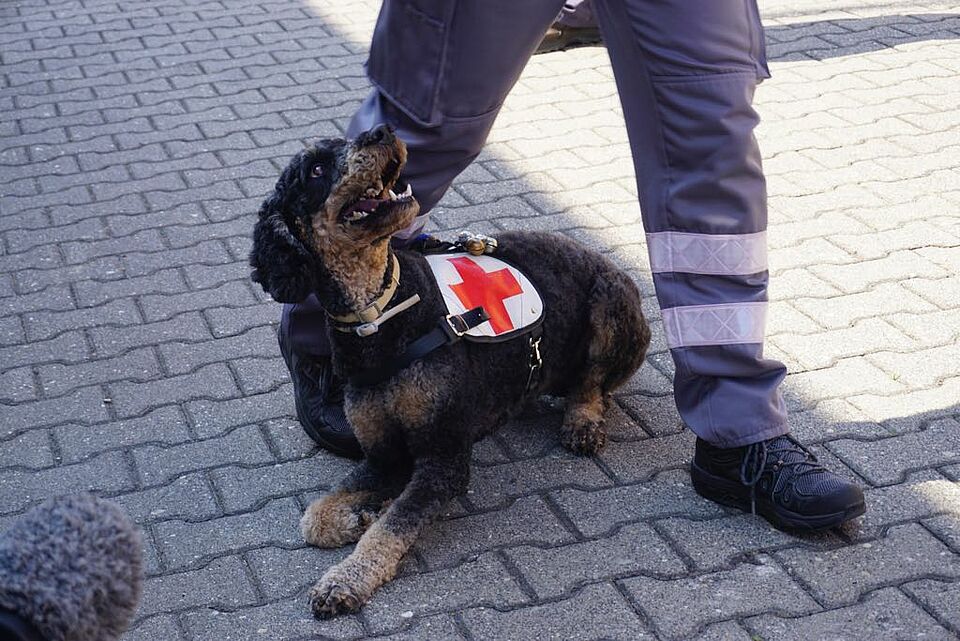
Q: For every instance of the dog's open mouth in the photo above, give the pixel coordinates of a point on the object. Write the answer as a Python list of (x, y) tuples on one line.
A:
[(377, 200)]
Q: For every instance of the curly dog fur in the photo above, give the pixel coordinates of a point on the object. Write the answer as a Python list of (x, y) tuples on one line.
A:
[(417, 428), (72, 568)]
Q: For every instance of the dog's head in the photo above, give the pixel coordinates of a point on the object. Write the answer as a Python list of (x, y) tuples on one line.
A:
[(326, 226)]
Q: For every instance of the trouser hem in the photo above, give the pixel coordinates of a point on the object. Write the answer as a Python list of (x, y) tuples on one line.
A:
[(748, 439)]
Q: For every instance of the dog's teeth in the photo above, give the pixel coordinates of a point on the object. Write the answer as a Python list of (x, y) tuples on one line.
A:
[(408, 191), (372, 192), (356, 215), (393, 196)]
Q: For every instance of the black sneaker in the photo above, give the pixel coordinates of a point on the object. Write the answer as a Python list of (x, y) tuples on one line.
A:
[(780, 480), (560, 37), (319, 398)]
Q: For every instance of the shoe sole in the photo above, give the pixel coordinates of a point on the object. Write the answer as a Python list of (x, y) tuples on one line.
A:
[(733, 494)]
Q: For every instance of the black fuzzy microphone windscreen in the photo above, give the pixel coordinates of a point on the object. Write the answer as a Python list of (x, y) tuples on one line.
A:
[(72, 568)]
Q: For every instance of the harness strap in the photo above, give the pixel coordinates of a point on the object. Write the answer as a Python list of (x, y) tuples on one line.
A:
[(449, 330)]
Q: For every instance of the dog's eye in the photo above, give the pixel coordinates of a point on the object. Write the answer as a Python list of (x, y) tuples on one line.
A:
[(317, 171)]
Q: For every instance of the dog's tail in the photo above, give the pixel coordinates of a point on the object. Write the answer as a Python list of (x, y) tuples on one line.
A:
[(70, 570)]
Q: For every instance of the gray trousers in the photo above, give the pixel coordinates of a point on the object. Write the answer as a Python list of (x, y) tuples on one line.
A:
[(686, 71)]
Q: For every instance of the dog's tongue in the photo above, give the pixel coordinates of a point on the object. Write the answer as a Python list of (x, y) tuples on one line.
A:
[(365, 204)]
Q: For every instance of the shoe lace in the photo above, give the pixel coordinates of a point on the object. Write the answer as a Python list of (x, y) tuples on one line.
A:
[(322, 375), (788, 453)]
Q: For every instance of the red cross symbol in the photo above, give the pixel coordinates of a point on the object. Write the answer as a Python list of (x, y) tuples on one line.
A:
[(488, 290)]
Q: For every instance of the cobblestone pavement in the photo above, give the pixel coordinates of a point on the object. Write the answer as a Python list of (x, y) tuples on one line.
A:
[(137, 361)]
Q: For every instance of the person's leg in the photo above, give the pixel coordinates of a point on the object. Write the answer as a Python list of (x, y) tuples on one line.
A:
[(441, 70), (686, 71)]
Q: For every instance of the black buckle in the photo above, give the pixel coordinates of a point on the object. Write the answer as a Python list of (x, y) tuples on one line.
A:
[(457, 325)]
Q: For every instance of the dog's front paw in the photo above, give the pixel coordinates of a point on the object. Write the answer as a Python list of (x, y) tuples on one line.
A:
[(333, 595), (336, 520), (585, 438)]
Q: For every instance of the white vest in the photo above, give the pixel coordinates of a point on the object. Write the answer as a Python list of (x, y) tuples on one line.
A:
[(509, 298)]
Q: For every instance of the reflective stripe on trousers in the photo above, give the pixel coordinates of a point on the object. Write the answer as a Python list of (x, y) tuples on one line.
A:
[(686, 71)]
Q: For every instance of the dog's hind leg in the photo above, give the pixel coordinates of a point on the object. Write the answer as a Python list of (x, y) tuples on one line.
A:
[(619, 337), (342, 516), (349, 584)]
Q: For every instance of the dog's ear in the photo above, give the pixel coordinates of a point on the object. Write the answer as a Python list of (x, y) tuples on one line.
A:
[(282, 265)]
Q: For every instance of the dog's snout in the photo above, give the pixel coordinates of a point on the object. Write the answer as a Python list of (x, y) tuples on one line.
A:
[(379, 135)]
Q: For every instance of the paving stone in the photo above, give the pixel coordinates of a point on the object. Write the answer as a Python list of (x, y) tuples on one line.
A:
[(634, 549), (435, 628), (884, 615), (91, 293), (137, 365), (78, 252), (85, 230), (11, 332), (241, 488), (669, 493), (642, 460), (158, 627), (884, 298), (85, 405), (717, 544), (656, 414), (725, 631), (259, 375), (277, 523), (181, 358), (221, 584), (920, 368), (110, 341), (286, 619), (823, 349), (107, 473), (212, 381), (161, 464), (216, 417), (885, 461), (16, 385), (484, 581), (288, 438), (164, 425), (922, 494), (596, 612), (161, 307), (283, 573), (188, 498), (947, 528), (446, 543), (138, 262), (31, 449), (942, 598), (842, 576), (681, 606), (42, 325), (33, 280), (494, 485), (51, 298)]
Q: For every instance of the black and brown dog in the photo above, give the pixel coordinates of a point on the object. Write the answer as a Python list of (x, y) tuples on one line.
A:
[(326, 230)]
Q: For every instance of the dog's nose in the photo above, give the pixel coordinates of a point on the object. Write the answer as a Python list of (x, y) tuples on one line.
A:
[(379, 135)]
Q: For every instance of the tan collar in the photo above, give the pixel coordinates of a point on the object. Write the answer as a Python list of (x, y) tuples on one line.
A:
[(367, 320)]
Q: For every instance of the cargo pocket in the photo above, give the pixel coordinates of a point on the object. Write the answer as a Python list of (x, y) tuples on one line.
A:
[(758, 41), (407, 55)]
